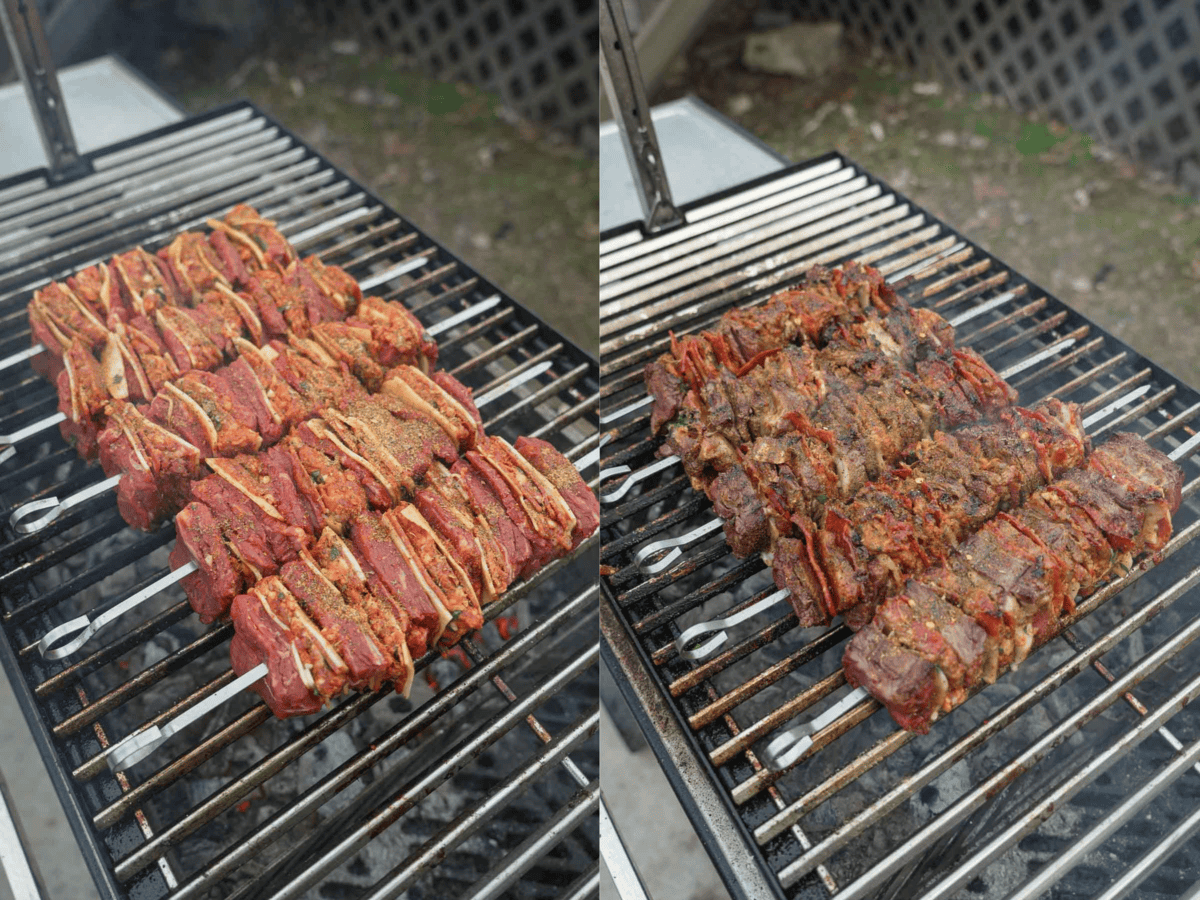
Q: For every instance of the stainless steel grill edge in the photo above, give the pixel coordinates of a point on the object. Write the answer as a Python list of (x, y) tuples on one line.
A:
[(511, 764), (827, 825)]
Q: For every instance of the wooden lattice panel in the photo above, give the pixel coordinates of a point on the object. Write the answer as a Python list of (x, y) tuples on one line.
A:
[(541, 56), (1129, 73)]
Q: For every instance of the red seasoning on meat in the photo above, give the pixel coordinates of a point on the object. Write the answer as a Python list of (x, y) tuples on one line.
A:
[(1003, 592)]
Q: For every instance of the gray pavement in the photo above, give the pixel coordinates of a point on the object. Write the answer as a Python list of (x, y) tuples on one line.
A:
[(660, 839), (50, 841)]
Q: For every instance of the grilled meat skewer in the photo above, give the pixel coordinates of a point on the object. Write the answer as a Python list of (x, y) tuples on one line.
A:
[(874, 388), (794, 315), (856, 553), (1002, 592)]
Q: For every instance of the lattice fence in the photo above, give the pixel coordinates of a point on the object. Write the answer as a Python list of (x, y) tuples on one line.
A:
[(540, 56), (1128, 72)]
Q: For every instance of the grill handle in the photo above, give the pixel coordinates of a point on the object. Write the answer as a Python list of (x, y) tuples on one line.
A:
[(35, 66), (627, 98)]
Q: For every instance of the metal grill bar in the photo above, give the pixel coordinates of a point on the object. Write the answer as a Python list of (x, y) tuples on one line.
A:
[(414, 791), (521, 860), (145, 194), (470, 821), (435, 708), (956, 813), (712, 698)]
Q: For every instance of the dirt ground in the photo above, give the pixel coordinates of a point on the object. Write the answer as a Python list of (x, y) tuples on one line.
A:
[(518, 203), (1116, 241)]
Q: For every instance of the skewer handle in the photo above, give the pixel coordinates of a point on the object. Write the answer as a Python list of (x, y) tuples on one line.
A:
[(89, 628), (719, 625), (673, 544), (138, 746), (784, 750), (55, 506), (624, 487)]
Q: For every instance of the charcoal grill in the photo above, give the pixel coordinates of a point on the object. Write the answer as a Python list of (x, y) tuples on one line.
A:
[(1074, 774), (486, 788)]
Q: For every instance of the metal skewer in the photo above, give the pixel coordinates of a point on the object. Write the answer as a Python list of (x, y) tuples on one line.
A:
[(19, 519), (138, 746), (720, 626), (87, 627), (623, 488), (709, 647), (982, 308), (605, 418), (593, 456), (82, 623), (790, 746), (512, 383), (913, 272), (28, 353), (28, 431)]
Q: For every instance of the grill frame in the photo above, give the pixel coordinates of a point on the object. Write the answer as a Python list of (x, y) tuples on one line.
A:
[(575, 373), (704, 791)]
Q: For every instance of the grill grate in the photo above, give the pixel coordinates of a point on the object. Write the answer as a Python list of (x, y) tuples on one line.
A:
[(1016, 783), (469, 790)]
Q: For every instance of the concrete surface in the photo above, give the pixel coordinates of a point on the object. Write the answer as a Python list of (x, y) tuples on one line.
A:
[(51, 843), (659, 837)]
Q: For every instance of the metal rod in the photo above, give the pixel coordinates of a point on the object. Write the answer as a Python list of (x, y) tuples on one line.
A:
[(1126, 885), (434, 850), (35, 67), (1098, 763), (714, 214), (137, 747), (415, 790), (1080, 846), (537, 844), (622, 81)]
